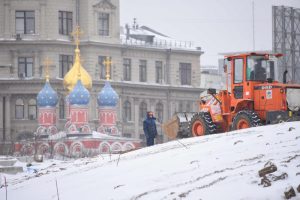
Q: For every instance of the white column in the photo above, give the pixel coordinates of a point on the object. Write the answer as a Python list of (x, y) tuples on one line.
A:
[(7, 33), (42, 28), (36, 69), (1, 118)]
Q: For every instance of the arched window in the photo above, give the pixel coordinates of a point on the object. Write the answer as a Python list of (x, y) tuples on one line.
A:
[(127, 111), (32, 109), (19, 111), (188, 107), (143, 110), (159, 112), (62, 113), (180, 107)]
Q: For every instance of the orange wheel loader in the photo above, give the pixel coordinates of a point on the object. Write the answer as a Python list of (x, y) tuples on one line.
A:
[(254, 96)]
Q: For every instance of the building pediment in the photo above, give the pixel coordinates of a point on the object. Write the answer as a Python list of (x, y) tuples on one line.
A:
[(105, 4)]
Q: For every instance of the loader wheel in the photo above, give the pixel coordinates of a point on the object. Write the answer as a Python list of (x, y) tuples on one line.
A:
[(201, 124), (245, 119)]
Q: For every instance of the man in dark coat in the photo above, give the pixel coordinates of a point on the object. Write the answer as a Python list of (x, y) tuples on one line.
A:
[(259, 73), (149, 127)]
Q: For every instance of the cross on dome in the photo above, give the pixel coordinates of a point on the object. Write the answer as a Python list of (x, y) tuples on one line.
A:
[(76, 34), (107, 62), (47, 62)]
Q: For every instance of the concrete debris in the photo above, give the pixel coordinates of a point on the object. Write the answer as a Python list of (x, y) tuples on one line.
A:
[(280, 177), (269, 168), (289, 192), (265, 182)]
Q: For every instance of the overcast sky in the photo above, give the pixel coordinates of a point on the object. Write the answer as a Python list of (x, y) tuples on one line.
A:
[(217, 26)]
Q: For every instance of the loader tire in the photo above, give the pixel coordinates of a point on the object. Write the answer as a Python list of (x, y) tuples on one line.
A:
[(245, 119), (202, 124)]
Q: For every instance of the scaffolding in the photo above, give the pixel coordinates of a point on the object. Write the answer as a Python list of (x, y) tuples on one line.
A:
[(286, 40)]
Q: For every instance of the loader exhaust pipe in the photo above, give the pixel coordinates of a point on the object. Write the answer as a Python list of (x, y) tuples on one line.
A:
[(284, 76)]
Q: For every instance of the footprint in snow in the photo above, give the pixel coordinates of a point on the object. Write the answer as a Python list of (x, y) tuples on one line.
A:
[(236, 142)]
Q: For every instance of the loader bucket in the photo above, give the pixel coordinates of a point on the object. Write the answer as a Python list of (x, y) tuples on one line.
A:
[(171, 127), (178, 126)]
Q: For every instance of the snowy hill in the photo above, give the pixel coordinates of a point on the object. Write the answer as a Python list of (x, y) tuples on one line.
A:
[(222, 166)]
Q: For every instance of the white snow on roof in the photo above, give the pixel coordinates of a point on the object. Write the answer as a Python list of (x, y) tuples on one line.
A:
[(159, 40)]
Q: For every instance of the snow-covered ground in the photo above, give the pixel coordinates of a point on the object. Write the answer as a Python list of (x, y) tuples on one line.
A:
[(221, 166)]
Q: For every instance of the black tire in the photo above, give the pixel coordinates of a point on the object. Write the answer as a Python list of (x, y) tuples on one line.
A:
[(248, 117), (204, 120)]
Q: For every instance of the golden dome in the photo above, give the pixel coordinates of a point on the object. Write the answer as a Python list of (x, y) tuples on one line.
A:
[(77, 71)]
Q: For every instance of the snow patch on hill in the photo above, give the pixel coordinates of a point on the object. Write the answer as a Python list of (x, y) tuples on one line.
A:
[(221, 166)]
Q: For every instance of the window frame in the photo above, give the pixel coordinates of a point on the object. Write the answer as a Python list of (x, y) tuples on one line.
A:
[(159, 111), (25, 18), (103, 23), (65, 62), (65, 22), (143, 110), (143, 70), (19, 105), (159, 72), (185, 73), (26, 64), (34, 107), (127, 111), (126, 69), (235, 71)]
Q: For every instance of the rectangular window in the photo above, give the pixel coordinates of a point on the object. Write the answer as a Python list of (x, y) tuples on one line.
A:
[(127, 69), (185, 73), (25, 67), (101, 60), (65, 62), (238, 70), (103, 24), (25, 22), (65, 20), (159, 71), (143, 71)]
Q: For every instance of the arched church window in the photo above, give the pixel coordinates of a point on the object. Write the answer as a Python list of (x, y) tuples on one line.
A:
[(19, 109), (159, 112), (143, 110), (32, 109), (127, 111)]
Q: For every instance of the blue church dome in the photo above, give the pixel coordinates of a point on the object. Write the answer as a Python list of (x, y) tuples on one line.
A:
[(47, 96), (80, 95), (107, 96)]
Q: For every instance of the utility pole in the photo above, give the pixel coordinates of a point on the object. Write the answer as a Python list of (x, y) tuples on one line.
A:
[(253, 27)]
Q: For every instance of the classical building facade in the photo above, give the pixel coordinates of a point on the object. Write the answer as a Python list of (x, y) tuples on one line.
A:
[(148, 73)]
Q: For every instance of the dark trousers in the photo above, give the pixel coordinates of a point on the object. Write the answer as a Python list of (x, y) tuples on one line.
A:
[(150, 141)]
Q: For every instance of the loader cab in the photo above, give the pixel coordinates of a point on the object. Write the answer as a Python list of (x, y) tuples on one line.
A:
[(261, 68), (245, 71)]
